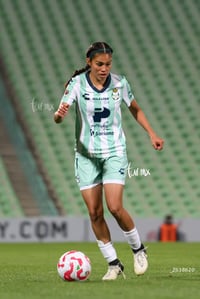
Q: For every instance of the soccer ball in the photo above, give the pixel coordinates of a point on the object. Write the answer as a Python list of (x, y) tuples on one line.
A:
[(74, 266)]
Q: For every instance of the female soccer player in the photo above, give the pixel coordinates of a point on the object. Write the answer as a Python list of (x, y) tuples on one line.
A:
[(100, 155)]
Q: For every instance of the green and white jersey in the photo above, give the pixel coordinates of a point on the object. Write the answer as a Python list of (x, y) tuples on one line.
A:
[(99, 130)]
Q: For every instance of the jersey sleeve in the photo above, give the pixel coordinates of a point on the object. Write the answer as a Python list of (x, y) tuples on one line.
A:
[(70, 94), (127, 93)]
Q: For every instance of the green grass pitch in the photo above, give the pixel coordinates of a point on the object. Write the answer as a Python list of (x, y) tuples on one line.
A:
[(29, 271)]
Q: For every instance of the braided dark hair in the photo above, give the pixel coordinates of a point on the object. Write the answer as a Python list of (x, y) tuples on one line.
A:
[(97, 47), (77, 72)]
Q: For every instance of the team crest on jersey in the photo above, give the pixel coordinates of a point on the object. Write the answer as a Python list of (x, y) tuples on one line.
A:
[(115, 94)]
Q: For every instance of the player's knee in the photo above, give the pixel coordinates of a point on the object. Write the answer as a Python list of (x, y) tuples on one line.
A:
[(95, 216), (115, 211)]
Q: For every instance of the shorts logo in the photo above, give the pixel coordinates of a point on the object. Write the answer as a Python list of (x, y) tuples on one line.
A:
[(130, 95), (77, 179), (121, 171), (115, 94)]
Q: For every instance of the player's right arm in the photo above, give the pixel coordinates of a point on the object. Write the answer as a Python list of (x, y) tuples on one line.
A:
[(69, 97), (61, 112)]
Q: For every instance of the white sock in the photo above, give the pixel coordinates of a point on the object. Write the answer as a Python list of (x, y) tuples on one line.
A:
[(133, 238), (108, 251)]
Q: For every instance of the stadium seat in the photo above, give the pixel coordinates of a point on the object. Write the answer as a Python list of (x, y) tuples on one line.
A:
[(9, 203), (156, 45)]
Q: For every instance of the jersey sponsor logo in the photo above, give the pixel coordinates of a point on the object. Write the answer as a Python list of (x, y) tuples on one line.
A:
[(100, 129), (100, 113), (100, 99), (86, 96), (100, 133)]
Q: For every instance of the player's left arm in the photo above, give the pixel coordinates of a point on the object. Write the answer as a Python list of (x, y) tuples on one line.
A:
[(140, 117)]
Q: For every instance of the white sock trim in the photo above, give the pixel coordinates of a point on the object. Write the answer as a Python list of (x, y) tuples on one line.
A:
[(108, 251), (133, 238)]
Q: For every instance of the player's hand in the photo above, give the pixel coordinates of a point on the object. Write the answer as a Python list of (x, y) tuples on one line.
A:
[(62, 110), (157, 142)]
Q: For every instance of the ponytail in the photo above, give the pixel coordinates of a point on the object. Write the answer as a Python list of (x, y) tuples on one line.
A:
[(77, 72)]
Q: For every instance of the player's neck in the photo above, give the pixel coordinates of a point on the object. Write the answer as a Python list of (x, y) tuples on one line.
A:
[(97, 82)]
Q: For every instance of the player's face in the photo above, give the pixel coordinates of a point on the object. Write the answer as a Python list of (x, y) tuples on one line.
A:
[(100, 66)]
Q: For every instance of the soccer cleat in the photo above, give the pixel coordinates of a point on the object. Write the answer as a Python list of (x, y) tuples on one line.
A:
[(114, 271), (140, 262)]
